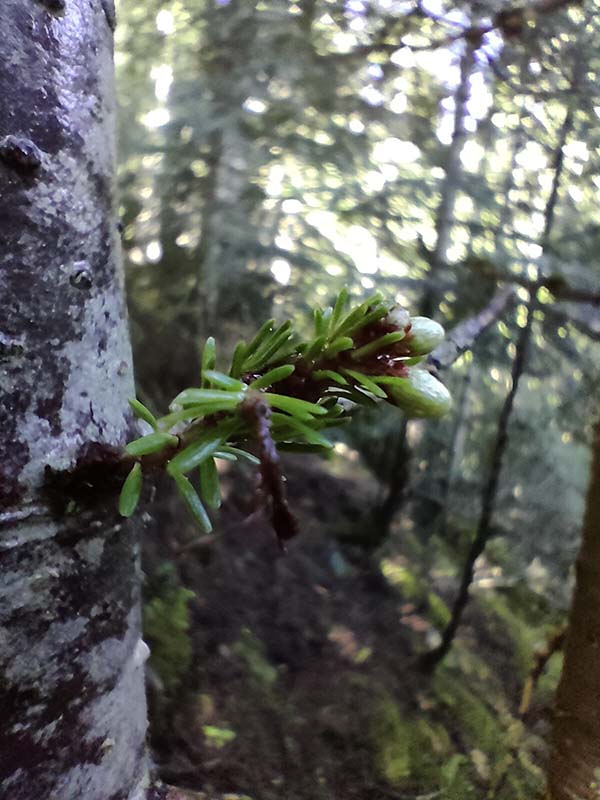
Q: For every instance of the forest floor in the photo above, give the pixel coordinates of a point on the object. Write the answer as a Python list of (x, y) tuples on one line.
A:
[(296, 676)]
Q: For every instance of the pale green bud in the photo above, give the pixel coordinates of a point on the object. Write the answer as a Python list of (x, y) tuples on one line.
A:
[(425, 335), (420, 394)]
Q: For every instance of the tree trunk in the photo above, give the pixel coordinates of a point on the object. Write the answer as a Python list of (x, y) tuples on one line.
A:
[(72, 699), (444, 221), (574, 769), (397, 487), (456, 447)]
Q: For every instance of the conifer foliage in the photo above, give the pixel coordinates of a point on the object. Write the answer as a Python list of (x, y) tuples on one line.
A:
[(280, 393)]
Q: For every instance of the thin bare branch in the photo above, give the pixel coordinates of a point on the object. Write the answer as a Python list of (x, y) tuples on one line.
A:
[(430, 660), (510, 21), (588, 327), (541, 657), (464, 335)]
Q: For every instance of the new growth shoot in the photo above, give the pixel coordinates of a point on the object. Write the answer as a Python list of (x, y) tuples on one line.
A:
[(281, 393)]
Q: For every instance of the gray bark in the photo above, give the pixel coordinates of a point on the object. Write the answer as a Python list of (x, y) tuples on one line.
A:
[(464, 335), (72, 705)]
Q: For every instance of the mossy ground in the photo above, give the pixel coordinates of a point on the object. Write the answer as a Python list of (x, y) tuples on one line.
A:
[(302, 680)]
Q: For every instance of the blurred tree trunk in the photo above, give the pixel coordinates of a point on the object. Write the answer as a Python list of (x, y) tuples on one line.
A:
[(459, 431), (222, 252), (396, 484), (449, 190), (574, 767), (456, 447), (400, 471), (72, 698)]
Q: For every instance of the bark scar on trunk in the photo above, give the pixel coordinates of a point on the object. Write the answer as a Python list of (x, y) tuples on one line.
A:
[(55, 5), (96, 478), (20, 153)]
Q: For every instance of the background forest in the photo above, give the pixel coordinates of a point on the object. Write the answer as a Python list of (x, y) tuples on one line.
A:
[(273, 152)]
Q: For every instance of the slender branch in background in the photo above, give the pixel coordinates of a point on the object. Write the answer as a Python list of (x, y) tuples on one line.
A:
[(387, 40), (431, 659), (464, 335), (558, 287), (510, 22), (554, 644), (588, 327), (460, 339), (549, 6), (558, 166)]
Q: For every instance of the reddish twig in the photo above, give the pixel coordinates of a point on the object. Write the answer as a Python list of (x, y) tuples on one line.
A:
[(285, 525)]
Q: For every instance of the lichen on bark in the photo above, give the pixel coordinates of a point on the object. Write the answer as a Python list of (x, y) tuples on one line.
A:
[(71, 660)]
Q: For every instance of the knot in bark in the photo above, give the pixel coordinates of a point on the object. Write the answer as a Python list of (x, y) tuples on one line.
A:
[(55, 5), (20, 152)]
